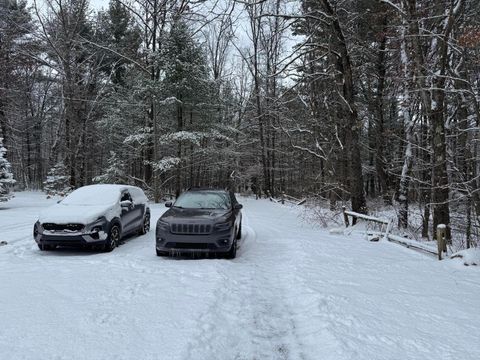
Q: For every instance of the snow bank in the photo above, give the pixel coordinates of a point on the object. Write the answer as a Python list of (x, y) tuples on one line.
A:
[(337, 230), (468, 256)]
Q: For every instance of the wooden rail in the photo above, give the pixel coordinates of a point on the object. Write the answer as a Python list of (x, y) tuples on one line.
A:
[(355, 215), (287, 198), (411, 244)]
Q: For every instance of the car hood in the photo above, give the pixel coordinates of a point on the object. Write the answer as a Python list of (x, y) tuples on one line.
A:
[(77, 214), (175, 214)]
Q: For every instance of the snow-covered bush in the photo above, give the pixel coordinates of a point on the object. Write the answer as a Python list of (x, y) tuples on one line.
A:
[(6, 177), (57, 181), (321, 216)]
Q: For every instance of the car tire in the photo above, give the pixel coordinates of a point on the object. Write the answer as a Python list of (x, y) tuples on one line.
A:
[(145, 225), (232, 253), (113, 239), (44, 247), (239, 232)]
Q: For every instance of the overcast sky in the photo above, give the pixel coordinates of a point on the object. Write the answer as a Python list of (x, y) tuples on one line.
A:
[(98, 4), (241, 23)]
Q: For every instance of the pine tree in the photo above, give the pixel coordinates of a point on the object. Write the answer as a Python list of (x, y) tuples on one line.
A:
[(6, 177), (186, 78), (57, 182), (115, 173)]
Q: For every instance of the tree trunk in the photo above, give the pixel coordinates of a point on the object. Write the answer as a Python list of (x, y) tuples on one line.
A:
[(353, 125), (178, 176), (409, 126), (380, 138), (3, 123)]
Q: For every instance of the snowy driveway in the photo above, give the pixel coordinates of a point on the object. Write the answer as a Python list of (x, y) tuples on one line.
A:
[(294, 292)]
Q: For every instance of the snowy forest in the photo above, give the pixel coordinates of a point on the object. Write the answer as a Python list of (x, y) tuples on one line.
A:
[(343, 101)]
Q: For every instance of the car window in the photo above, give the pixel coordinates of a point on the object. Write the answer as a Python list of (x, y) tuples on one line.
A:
[(204, 200), (126, 196)]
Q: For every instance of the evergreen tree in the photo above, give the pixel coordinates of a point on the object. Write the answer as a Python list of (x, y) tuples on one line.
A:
[(18, 48), (57, 182), (186, 79), (120, 39), (124, 103), (6, 177), (115, 173)]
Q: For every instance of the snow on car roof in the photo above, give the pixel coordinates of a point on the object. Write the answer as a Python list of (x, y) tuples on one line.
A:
[(101, 194)]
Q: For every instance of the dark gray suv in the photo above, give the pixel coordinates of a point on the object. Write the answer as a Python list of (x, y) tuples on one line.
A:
[(200, 221)]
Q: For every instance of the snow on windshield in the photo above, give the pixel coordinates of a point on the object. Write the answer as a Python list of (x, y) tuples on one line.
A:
[(93, 195), (203, 200)]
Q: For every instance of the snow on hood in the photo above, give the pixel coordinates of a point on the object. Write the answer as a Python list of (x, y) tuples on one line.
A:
[(175, 213), (78, 214)]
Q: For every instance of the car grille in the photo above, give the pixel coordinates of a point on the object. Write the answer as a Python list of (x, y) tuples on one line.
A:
[(63, 227), (191, 229)]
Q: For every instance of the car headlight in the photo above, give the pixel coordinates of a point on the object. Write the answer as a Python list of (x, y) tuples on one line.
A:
[(223, 226), (97, 226), (163, 225)]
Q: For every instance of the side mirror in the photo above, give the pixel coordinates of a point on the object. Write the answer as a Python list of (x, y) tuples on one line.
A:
[(168, 204), (238, 206), (126, 204)]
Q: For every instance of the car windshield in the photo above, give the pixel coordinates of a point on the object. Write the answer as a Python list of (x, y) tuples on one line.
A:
[(92, 195), (203, 200)]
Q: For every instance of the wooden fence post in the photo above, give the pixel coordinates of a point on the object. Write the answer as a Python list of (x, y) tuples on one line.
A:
[(441, 240), (387, 231), (345, 216)]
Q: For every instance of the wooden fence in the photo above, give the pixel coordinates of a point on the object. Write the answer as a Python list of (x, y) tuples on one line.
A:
[(387, 235)]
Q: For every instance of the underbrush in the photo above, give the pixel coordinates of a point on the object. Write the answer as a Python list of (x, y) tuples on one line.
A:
[(318, 213)]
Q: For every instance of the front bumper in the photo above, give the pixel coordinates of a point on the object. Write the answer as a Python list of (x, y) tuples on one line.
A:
[(216, 242), (72, 238)]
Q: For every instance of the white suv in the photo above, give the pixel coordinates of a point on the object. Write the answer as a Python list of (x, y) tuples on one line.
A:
[(93, 215)]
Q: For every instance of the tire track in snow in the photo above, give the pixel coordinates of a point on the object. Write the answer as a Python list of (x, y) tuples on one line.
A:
[(16, 226), (249, 318)]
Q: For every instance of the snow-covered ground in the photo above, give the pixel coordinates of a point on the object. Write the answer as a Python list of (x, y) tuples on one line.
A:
[(294, 292)]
